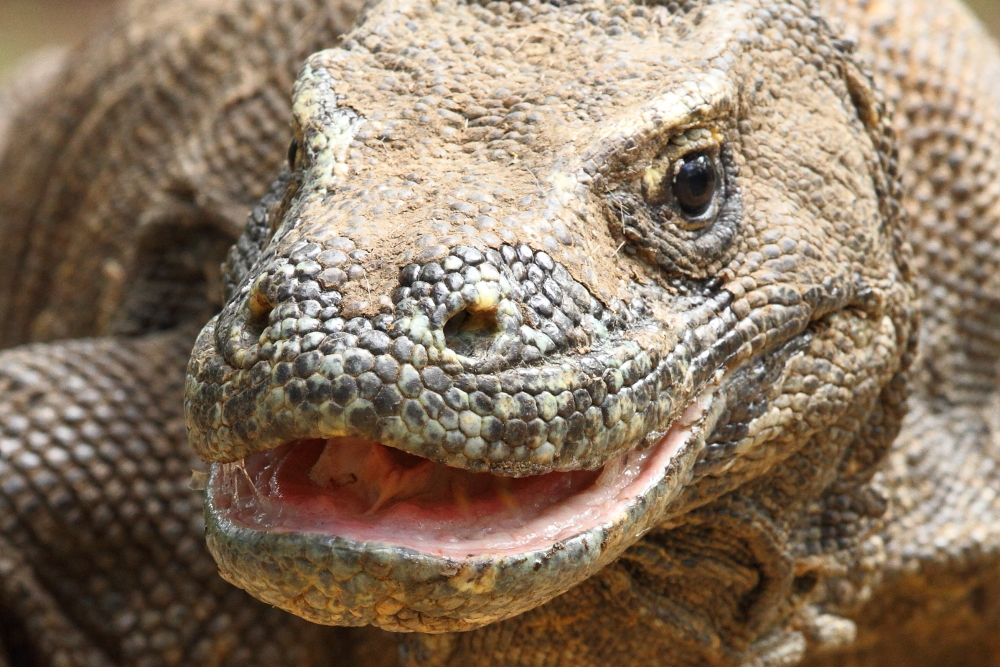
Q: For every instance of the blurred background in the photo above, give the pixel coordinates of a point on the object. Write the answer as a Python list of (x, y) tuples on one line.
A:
[(26, 25)]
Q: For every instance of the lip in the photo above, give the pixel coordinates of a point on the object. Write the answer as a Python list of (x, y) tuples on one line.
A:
[(259, 514)]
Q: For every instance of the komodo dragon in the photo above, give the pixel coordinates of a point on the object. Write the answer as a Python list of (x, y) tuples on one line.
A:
[(568, 334)]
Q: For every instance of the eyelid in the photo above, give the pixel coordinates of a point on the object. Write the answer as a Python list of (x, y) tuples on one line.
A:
[(696, 140)]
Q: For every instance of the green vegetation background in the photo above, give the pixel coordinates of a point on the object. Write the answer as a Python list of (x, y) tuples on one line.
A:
[(26, 25)]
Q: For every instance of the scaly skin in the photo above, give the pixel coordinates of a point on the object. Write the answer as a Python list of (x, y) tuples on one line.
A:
[(794, 301), (500, 163)]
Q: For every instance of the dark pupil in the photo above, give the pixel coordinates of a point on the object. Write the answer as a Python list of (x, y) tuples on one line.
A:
[(293, 152), (695, 184)]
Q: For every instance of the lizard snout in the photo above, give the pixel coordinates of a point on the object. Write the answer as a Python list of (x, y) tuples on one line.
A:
[(474, 311), (456, 356)]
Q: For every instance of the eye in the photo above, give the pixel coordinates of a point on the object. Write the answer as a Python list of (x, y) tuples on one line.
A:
[(293, 154), (695, 185), (688, 188)]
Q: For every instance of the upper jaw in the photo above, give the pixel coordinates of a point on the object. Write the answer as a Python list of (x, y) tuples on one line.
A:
[(396, 378)]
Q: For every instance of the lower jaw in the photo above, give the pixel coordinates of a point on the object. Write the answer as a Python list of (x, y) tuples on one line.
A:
[(423, 563)]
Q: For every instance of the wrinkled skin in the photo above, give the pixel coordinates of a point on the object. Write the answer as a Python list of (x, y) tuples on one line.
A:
[(478, 255)]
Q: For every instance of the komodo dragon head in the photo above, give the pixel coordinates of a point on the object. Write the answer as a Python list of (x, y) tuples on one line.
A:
[(541, 278)]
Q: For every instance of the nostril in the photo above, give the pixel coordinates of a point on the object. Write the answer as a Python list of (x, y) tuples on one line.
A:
[(471, 333), (453, 325), (259, 307)]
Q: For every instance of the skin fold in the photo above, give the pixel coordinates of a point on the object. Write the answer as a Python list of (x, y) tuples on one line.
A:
[(744, 251)]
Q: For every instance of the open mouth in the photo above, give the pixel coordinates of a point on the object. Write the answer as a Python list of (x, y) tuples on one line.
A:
[(346, 531), (370, 493)]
